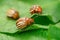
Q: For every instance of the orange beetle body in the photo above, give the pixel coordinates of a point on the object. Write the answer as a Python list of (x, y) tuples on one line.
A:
[(35, 9), (13, 13), (23, 22)]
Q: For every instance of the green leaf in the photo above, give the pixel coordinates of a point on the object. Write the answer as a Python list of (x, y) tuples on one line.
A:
[(50, 16), (54, 32), (50, 7), (39, 34), (42, 20)]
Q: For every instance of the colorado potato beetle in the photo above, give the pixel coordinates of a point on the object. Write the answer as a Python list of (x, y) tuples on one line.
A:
[(23, 22), (35, 9), (13, 13)]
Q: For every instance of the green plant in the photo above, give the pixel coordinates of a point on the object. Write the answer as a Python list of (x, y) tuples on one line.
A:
[(46, 27)]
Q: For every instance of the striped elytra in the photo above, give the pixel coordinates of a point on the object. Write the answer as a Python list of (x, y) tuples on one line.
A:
[(35, 9), (12, 13), (24, 22)]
